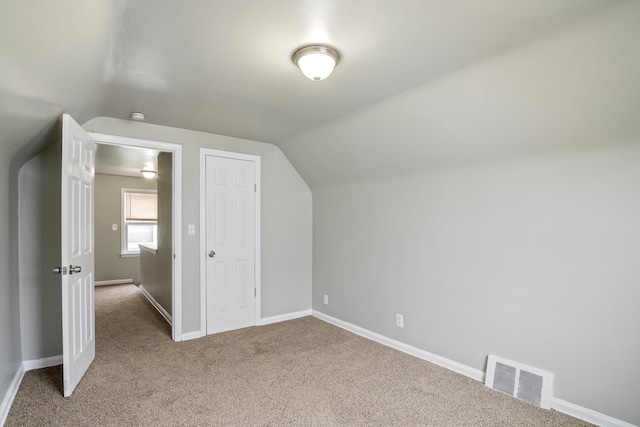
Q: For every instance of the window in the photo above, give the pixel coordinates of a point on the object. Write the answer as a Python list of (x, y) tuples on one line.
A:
[(139, 219)]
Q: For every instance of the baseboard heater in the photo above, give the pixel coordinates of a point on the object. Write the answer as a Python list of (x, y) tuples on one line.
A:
[(523, 382)]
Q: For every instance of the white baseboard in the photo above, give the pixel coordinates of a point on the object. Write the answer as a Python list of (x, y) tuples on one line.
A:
[(284, 317), (155, 303), (470, 372), (27, 365), (192, 335), (588, 415), (5, 405), (30, 365), (262, 322), (112, 282), (559, 405)]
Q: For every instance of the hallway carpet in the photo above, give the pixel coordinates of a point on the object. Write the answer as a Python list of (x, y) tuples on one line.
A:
[(302, 372)]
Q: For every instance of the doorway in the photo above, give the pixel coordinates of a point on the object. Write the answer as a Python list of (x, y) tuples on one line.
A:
[(174, 211), (133, 221)]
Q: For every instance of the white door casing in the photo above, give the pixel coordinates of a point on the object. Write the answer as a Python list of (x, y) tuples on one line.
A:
[(176, 150), (78, 314), (230, 236)]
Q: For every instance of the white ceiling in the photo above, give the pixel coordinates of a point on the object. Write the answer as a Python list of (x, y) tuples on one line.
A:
[(125, 161), (224, 66)]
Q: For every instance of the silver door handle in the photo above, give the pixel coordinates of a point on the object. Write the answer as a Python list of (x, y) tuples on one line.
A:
[(76, 269), (212, 254)]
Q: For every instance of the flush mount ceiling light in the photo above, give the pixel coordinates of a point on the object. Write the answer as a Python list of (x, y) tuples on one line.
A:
[(316, 61), (148, 173)]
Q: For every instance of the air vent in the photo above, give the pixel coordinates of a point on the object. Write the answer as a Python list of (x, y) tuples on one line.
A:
[(523, 382)]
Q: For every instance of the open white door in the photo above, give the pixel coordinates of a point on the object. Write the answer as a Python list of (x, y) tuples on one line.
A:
[(78, 314)]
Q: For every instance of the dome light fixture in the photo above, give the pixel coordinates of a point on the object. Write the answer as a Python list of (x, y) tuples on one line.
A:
[(148, 173), (316, 61)]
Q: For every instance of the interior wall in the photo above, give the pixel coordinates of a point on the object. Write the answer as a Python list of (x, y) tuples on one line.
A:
[(158, 278), (286, 217), (10, 340), (16, 148), (39, 252), (496, 208), (532, 260), (109, 265), (10, 344)]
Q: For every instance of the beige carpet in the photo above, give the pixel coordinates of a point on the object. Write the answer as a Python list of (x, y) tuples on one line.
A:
[(303, 372)]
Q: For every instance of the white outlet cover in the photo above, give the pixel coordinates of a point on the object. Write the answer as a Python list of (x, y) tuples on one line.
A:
[(400, 320), (114, 227), (326, 300)]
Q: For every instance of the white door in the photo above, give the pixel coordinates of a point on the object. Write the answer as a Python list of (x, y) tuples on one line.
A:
[(230, 243), (78, 328)]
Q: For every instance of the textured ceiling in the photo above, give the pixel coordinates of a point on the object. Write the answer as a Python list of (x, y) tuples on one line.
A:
[(224, 66)]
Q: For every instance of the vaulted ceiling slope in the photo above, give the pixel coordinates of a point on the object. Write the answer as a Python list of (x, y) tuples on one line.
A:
[(224, 67), (575, 88)]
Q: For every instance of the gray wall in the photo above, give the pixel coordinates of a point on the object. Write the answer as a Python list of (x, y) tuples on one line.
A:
[(109, 264), (37, 86), (497, 209), (10, 343), (15, 150), (286, 217), (157, 270), (534, 260), (39, 252)]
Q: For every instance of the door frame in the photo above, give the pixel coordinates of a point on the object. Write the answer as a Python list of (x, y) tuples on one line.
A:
[(204, 152), (176, 240)]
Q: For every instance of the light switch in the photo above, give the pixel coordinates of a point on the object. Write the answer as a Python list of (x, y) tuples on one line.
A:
[(192, 229), (114, 227)]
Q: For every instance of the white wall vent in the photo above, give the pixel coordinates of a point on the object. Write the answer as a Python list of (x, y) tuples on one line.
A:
[(523, 382)]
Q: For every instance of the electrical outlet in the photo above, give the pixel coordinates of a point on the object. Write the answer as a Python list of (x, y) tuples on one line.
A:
[(326, 300), (399, 320)]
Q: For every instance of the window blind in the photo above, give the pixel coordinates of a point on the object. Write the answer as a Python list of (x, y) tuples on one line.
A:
[(141, 207)]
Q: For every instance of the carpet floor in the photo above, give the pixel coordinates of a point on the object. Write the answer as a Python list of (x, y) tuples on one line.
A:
[(303, 372)]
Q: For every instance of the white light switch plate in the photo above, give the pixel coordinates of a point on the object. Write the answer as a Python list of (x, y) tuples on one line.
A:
[(192, 229), (114, 227)]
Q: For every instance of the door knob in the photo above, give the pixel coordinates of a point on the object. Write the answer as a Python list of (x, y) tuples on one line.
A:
[(57, 270), (212, 254), (76, 269)]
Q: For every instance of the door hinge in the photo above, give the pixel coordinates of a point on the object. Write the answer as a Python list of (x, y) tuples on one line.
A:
[(255, 188), (255, 292)]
